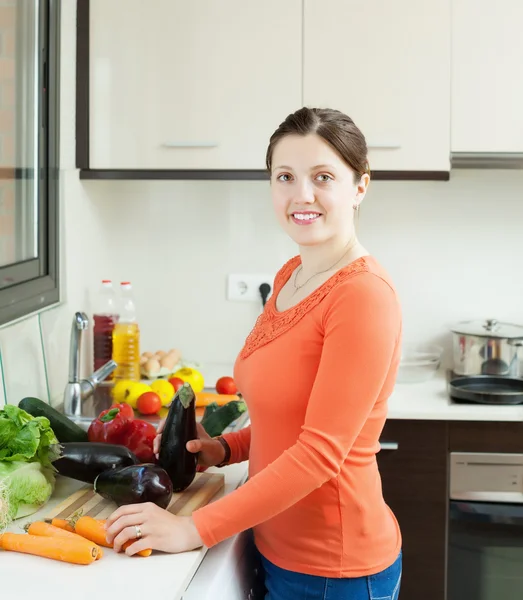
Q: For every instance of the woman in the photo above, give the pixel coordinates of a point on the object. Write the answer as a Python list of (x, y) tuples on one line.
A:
[(330, 339)]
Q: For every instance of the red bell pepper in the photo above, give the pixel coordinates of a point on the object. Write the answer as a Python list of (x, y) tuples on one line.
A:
[(117, 425), (125, 409), (110, 426), (139, 437)]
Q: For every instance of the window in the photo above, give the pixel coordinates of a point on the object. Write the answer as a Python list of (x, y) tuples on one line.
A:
[(29, 34)]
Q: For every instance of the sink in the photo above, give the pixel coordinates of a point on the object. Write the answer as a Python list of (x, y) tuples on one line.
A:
[(101, 399)]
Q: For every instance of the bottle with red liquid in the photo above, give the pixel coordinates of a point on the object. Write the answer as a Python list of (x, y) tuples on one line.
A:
[(104, 318)]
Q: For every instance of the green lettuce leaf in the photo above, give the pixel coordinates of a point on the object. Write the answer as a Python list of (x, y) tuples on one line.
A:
[(24, 437)]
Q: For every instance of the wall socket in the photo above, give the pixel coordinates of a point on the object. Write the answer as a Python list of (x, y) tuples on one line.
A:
[(246, 287)]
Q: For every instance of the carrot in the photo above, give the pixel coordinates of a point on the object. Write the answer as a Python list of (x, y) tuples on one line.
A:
[(205, 398), (93, 529), (78, 552), (46, 530), (61, 523), (146, 553)]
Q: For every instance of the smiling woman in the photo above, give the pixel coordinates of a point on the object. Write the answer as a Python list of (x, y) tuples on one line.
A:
[(329, 340)]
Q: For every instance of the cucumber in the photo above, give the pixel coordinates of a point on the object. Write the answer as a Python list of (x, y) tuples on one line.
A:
[(64, 429), (219, 419)]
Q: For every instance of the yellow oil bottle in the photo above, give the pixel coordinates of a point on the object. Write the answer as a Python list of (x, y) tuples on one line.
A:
[(126, 338)]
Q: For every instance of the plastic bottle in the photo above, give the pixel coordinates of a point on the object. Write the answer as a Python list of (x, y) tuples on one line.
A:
[(126, 338), (104, 318)]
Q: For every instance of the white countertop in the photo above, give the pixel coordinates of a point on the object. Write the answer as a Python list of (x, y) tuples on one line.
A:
[(165, 576), (430, 400)]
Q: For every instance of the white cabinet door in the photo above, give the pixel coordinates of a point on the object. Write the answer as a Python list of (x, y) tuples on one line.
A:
[(193, 84), (387, 65), (487, 76)]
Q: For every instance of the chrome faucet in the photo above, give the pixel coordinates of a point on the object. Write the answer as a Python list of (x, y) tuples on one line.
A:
[(78, 390)]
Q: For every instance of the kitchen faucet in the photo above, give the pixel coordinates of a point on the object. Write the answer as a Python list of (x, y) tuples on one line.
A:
[(76, 390)]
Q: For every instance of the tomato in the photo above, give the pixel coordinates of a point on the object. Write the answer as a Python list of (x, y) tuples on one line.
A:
[(149, 403), (226, 385), (176, 382)]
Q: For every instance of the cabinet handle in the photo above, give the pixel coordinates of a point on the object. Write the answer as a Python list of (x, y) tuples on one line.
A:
[(384, 146), (389, 445), (190, 144)]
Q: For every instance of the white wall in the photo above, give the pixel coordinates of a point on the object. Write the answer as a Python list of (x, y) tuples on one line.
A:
[(454, 250)]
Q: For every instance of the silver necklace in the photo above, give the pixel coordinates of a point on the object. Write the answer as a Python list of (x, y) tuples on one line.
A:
[(299, 269)]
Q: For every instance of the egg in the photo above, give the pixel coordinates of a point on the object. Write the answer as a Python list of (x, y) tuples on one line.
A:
[(160, 354), (168, 361), (152, 366), (143, 359), (148, 354)]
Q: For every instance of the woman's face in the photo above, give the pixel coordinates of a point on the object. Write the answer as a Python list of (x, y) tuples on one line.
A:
[(313, 190)]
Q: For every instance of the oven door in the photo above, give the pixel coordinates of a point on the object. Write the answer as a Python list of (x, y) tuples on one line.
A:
[(485, 552)]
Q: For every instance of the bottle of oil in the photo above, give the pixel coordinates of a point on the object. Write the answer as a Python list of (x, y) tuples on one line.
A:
[(126, 338), (104, 317)]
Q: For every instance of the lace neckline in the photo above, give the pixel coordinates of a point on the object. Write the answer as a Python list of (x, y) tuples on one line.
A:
[(272, 322)]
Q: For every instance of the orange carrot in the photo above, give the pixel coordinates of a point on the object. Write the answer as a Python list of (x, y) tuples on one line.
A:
[(94, 530), (46, 530), (61, 523), (146, 553), (78, 552), (205, 398)]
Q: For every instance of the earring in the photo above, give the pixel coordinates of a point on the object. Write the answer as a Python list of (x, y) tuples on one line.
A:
[(356, 206)]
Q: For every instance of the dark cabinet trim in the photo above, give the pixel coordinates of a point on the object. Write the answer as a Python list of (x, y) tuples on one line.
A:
[(240, 174), (82, 133), (82, 83)]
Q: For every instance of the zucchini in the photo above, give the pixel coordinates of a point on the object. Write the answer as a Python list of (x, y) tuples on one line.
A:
[(217, 421), (64, 429), (209, 409)]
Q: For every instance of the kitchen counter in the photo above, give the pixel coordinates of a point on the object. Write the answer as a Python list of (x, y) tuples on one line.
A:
[(430, 401), (165, 576)]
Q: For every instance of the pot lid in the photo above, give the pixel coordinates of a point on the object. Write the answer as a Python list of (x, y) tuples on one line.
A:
[(489, 328)]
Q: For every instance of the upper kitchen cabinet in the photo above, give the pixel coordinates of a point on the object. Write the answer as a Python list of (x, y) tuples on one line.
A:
[(487, 93), (181, 85), (387, 65)]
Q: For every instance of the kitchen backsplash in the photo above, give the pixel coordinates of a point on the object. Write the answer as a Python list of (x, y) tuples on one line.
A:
[(454, 250)]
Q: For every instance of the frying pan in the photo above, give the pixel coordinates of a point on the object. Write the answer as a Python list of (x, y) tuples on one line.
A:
[(486, 389)]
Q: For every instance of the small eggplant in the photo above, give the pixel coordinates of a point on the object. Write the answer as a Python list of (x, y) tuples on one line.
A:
[(180, 427), (135, 484), (84, 461)]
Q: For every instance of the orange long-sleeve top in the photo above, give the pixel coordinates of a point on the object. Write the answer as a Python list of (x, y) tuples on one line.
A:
[(316, 379)]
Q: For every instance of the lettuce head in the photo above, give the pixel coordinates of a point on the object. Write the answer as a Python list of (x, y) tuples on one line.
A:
[(28, 447)]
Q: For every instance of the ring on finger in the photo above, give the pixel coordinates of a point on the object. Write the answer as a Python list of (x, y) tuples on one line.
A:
[(138, 532)]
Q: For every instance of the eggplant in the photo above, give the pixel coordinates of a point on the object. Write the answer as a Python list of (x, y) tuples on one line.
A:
[(135, 484), (84, 461), (179, 428)]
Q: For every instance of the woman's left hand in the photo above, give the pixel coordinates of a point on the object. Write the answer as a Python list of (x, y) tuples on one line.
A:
[(160, 529)]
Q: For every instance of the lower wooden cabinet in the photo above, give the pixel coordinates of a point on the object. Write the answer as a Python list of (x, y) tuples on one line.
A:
[(415, 486)]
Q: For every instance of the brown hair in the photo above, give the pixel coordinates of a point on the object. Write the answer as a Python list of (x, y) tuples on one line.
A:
[(335, 127)]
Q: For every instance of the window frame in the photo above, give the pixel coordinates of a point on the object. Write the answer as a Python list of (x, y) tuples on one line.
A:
[(39, 277)]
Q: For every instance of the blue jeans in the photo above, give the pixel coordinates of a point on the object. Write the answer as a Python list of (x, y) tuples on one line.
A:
[(288, 585)]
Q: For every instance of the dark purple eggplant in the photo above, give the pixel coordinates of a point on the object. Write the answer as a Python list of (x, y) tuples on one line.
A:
[(84, 461), (135, 484), (180, 427)]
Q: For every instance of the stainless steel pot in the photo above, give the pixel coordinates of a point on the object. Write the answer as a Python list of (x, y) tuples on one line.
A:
[(488, 348)]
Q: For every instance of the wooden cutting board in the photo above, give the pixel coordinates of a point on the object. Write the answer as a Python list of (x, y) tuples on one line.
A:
[(201, 491)]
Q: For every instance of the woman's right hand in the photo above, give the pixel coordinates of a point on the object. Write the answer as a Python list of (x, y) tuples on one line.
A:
[(210, 451)]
